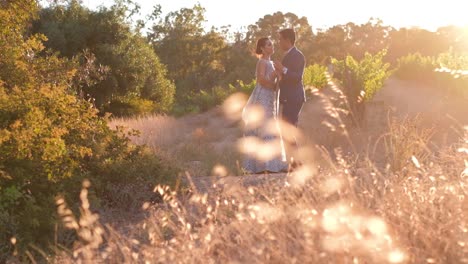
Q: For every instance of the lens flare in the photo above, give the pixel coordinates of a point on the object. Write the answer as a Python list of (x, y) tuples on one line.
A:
[(233, 106), (302, 175), (253, 116), (219, 171)]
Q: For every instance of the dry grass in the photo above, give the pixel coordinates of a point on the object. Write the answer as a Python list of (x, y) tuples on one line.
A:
[(195, 143), (349, 211), (405, 139), (341, 215)]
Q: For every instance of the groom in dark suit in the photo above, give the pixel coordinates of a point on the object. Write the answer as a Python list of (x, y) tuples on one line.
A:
[(291, 71)]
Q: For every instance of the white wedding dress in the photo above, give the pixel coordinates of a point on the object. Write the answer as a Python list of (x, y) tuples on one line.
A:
[(268, 100)]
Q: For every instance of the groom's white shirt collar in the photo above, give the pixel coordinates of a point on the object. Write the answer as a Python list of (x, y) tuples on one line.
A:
[(289, 50), (285, 70)]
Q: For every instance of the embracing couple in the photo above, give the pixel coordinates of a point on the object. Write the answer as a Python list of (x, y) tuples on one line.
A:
[(278, 94)]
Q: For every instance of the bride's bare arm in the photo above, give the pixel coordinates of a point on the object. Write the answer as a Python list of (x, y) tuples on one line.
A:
[(261, 75)]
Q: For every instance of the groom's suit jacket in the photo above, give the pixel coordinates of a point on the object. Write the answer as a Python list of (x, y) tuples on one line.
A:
[(291, 85)]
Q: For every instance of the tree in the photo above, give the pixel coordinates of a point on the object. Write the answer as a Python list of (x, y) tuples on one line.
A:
[(407, 41), (371, 37), (362, 79), (15, 16), (332, 42), (239, 61), (351, 39), (270, 25), (50, 139), (134, 71), (194, 58)]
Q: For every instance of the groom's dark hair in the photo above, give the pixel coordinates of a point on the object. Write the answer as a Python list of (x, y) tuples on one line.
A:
[(289, 34)]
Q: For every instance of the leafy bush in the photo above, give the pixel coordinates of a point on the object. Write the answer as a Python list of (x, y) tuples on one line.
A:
[(453, 72), (315, 76), (129, 106), (133, 68), (51, 140), (448, 72), (205, 100), (193, 56), (361, 79), (416, 67), (246, 88), (453, 60)]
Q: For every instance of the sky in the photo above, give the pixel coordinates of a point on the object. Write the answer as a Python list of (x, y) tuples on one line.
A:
[(428, 14)]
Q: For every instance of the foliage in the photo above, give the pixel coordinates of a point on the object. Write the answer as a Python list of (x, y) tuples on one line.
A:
[(448, 72), (361, 79), (239, 63), (204, 100), (193, 57), (246, 88), (453, 60), (415, 67), (315, 76), (135, 72), (129, 106), (133, 69), (364, 77), (407, 41), (198, 60), (350, 39), (270, 25), (356, 39), (453, 72), (50, 139)]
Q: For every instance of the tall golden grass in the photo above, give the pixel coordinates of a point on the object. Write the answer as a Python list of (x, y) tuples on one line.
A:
[(350, 211), (195, 143), (340, 215)]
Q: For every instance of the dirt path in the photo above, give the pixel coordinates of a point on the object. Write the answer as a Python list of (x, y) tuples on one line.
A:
[(199, 142)]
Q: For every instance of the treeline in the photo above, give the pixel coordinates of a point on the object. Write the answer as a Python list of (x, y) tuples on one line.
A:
[(171, 64)]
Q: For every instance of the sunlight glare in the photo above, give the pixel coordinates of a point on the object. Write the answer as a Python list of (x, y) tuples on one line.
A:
[(234, 105)]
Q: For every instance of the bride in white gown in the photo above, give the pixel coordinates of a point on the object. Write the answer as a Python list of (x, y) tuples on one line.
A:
[(265, 97)]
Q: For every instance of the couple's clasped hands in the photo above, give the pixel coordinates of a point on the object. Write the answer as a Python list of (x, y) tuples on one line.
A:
[(278, 73), (279, 68)]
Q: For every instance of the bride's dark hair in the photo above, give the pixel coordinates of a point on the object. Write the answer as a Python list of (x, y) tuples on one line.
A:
[(260, 44)]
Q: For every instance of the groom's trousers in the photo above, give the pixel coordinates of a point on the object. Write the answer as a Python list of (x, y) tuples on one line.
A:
[(290, 114), (290, 111)]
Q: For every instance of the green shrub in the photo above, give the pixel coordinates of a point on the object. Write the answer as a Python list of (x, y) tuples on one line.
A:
[(448, 72), (51, 140), (361, 79), (49, 143), (453, 72), (453, 60), (205, 100), (315, 76), (132, 67), (130, 106), (416, 67), (246, 88)]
